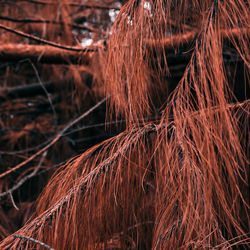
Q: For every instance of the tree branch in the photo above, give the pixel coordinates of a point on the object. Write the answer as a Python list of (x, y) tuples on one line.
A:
[(26, 178), (53, 44), (33, 240), (61, 54), (74, 4), (41, 53), (188, 37), (30, 20)]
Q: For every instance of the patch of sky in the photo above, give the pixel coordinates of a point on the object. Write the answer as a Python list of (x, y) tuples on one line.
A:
[(86, 41), (147, 6)]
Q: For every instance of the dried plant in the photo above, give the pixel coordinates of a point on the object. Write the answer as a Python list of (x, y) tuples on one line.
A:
[(181, 181)]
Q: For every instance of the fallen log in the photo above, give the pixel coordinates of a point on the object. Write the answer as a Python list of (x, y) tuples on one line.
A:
[(42, 53)]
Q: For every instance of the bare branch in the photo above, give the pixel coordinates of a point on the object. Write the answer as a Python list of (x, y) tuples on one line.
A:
[(30, 20), (73, 4), (23, 180), (53, 44)]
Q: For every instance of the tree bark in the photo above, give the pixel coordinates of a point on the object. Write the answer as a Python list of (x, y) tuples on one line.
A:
[(42, 53)]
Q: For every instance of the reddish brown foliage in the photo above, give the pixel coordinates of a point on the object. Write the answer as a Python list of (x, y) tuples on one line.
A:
[(181, 181)]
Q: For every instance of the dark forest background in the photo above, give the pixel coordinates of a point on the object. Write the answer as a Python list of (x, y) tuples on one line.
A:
[(141, 106), (45, 89)]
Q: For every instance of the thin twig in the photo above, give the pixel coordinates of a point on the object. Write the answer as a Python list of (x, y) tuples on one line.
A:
[(13, 202), (16, 236), (33, 174), (53, 44), (24, 150), (74, 4), (65, 134), (57, 137), (45, 91), (23, 180), (31, 20)]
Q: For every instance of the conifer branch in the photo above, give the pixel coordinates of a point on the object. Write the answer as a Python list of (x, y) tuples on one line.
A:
[(16, 236)]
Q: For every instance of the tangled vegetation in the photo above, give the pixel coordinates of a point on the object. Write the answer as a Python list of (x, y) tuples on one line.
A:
[(173, 170)]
